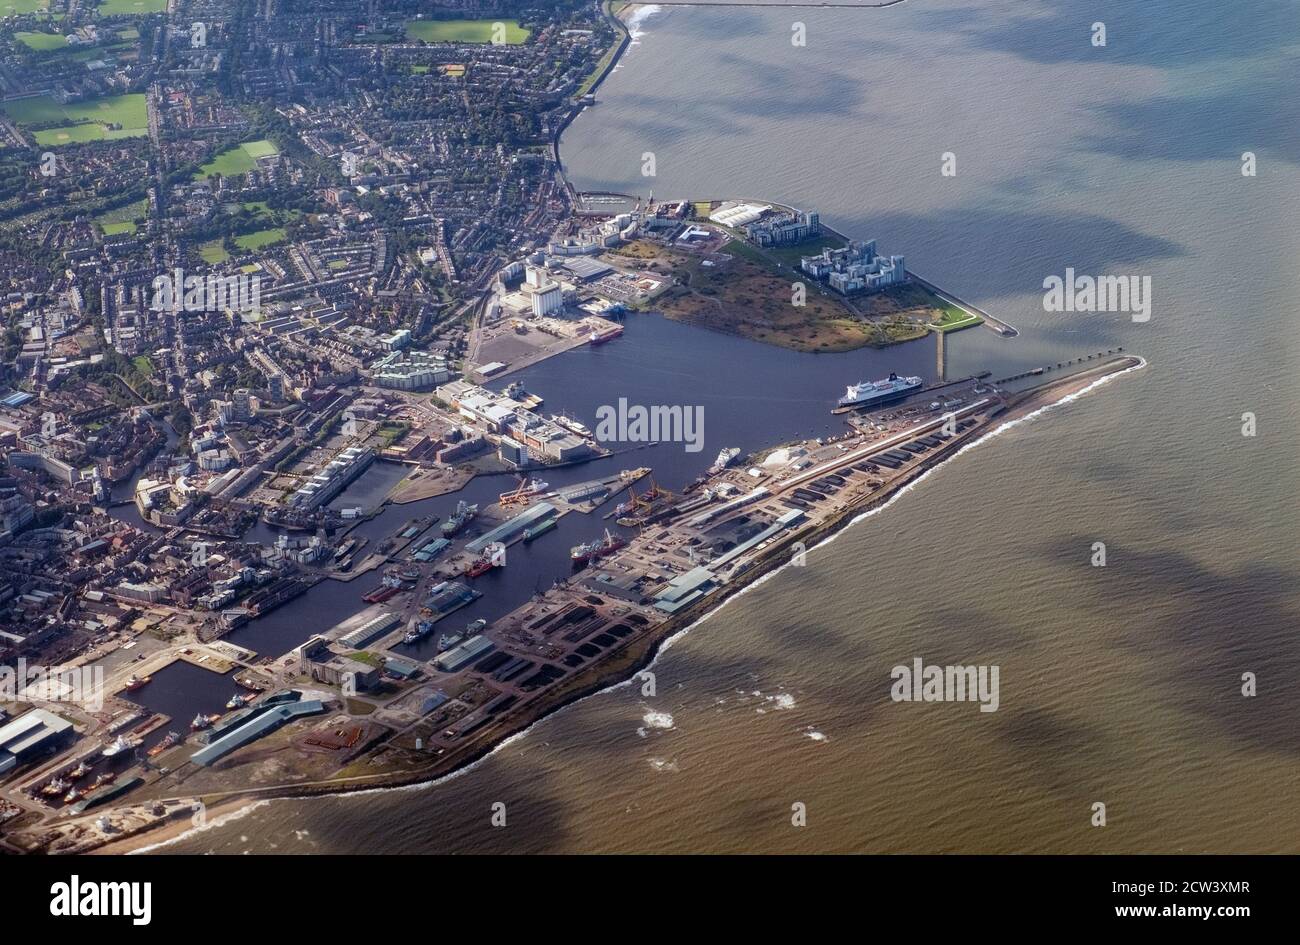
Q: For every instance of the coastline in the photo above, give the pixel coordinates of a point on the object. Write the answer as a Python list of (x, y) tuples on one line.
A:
[(623, 664)]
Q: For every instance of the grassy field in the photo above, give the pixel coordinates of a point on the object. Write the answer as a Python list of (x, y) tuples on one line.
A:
[(599, 70), (213, 253), (260, 238), (464, 31), (750, 296), (84, 121), (791, 255), (123, 219), (130, 7), (238, 160), (954, 319), (42, 42), (18, 7), (746, 296)]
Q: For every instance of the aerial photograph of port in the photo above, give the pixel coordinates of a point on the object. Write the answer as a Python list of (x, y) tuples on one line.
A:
[(493, 426)]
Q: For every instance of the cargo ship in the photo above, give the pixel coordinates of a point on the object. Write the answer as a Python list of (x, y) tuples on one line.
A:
[(724, 459), (593, 550), (380, 594), (239, 700), (526, 490), (273, 595), (573, 426), (874, 393), (448, 640), (120, 745), (539, 529), (137, 682), (202, 721), (463, 516), (418, 632), (79, 772), (480, 566), (55, 787), (606, 334), (173, 738), (390, 586)]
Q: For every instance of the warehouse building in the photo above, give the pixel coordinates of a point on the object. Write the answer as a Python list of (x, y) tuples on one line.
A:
[(458, 657), (32, 734), (509, 530), (260, 726)]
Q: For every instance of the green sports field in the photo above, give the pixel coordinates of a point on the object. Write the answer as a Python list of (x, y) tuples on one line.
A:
[(18, 7), (463, 31), (42, 42), (260, 238), (82, 121), (238, 160), (129, 7), (123, 219), (213, 252)]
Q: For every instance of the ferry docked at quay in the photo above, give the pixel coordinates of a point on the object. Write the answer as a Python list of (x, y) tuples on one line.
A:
[(877, 393)]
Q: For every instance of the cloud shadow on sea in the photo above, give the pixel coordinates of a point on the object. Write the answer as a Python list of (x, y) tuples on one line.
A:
[(1141, 34), (1197, 630)]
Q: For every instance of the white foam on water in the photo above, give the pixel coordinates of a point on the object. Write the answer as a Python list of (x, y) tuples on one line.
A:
[(638, 18), (215, 822), (656, 719)]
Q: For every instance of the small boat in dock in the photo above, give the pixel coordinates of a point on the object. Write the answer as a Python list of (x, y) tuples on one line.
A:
[(587, 552), (573, 426), (173, 738), (463, 515), (54, 788), (418, 632), (120, 745), (540, 529)]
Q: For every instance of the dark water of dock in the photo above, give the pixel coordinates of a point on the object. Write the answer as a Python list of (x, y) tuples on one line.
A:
[(180, 691)]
